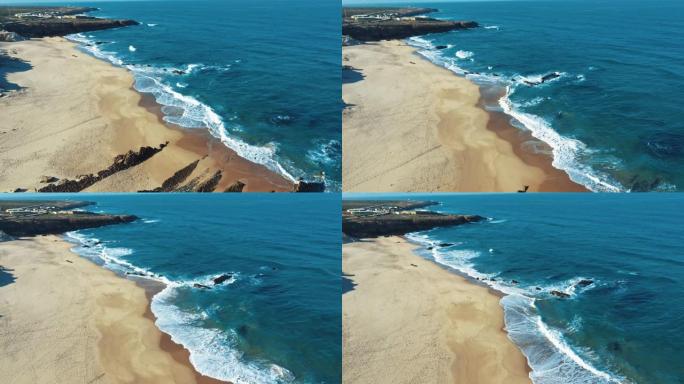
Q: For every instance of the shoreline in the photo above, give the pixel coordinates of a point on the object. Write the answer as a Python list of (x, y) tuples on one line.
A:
[(474, 148), (177, 351), (442, 328), (96, 322), (95, 115)]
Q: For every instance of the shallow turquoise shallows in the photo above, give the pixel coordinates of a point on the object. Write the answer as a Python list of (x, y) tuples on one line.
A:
[(277, 319), (613, 117), (263, 76), (622, 324)]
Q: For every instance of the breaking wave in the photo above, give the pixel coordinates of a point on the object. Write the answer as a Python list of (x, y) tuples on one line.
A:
[(213, 351), (552, 359), (567, 151), (187, 111)]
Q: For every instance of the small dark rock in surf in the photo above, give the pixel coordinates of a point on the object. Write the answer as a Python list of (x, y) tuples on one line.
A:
[(200, 286), (441, 47), (584, 283), (222, 278), (560, 294)]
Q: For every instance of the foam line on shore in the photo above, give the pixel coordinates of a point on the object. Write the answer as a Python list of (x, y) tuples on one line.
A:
[(186, 111), (552, 359), (566, 151), (212, 351)]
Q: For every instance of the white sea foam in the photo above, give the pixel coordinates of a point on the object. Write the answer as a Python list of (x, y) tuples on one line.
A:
[(189, 112), (132, 48), (464, 54), (566, 151), (552, 359), (151, 25), (492, 27), (325, 152), (212, 351)]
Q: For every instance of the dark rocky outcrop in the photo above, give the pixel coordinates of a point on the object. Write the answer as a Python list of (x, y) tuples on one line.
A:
[(237, 186), (383, 23), (172, 182), (220, 279), (63, 27), (210, 184), (544, 79), (584, 283), (401, 29), (560, 294), (121, 162), (58, 223), (53, 21), (48, 179), (398, 224), (308, 186)]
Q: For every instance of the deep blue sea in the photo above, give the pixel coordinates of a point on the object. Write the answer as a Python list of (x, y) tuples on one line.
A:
[(277, 320), (263, 76), (627, 326), (613, 118)]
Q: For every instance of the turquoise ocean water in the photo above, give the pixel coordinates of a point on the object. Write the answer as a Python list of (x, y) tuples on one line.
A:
[(262, 76)]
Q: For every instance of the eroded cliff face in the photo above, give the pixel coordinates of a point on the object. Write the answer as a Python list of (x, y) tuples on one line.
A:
[(56, 223), (62, 27), (401, 29), (54, 21), (376, 23), (398, 224)]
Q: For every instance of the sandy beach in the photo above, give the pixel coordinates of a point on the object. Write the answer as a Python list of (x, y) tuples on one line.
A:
[(67, 320), (75, 114), (411, 126), (407, 320)]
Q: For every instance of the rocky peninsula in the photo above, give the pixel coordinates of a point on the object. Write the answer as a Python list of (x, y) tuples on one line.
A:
[(31, 218), (32, 22), (390, 218), (375, 24)]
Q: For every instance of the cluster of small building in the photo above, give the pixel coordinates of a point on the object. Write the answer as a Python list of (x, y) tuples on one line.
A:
[(43, 15), (379, 210), (36, 210), (384, 17)]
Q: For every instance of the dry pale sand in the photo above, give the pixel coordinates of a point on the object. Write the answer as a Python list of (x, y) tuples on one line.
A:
[(413, 126), (407, 320), (75, 113), (66, 320)]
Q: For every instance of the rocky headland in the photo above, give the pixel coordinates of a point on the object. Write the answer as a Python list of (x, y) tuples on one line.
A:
[(372, 219), (31, 218), (53, 21), (375, 24)]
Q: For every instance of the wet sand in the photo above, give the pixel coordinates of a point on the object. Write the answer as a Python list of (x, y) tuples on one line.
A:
[(65, 319), (407, 320), (411, 126), (75, 113)]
